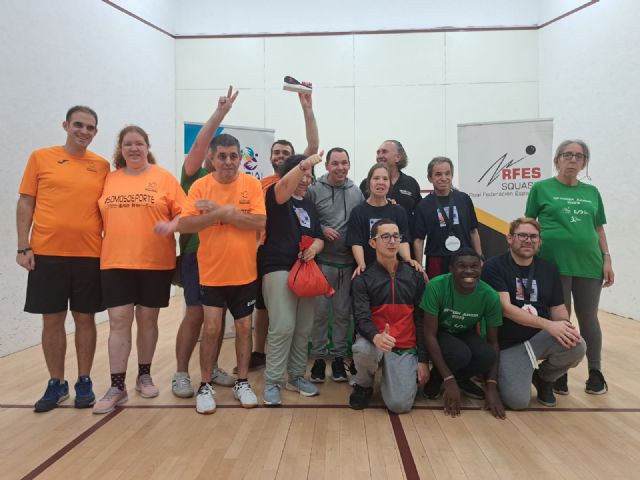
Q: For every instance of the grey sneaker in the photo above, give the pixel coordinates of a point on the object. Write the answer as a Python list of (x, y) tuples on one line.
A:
[(222, 378), (181, 385), (302, 385), (272, 395), (243, 392)]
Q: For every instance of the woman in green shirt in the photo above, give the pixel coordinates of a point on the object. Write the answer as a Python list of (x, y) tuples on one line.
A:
[(572, 217)]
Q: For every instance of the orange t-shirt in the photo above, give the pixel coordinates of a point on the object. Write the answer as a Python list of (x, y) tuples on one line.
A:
[(131, 205), (266, 182), (227, 255), (66, 220)]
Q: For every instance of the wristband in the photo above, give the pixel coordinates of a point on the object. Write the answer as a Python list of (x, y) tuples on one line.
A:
[(24, 250), (607, 254), (446, 379)]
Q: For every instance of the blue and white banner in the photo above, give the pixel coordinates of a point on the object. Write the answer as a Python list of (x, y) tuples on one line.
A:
[(255, 146)]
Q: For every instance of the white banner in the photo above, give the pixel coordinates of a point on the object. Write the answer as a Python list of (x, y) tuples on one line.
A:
[(255, 146), (498, 164)]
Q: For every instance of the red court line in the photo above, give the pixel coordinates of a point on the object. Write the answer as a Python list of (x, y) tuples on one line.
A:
[(339, 405), (140, 19), (410, 469), (69, 446)]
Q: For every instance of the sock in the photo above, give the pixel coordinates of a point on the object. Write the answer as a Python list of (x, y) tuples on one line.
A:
[(144, 369), (242, 380), (117, 380)]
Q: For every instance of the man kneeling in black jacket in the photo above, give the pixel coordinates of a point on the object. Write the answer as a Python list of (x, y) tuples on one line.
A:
[(385, 308)]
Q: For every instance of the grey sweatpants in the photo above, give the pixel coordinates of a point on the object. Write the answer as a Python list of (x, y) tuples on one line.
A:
[(586, 298), (290, 319), (340, 303), (514, 376), (399, 385)]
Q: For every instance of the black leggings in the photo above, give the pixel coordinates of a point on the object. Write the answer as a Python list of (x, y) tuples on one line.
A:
[(466, 354)]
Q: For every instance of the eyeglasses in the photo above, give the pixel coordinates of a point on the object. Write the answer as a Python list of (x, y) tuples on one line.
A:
[(534, 237), (386, 237), (570, 155)]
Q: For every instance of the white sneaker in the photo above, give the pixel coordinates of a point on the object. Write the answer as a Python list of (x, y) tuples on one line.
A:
[(205, 400), (222, 378), (181, 385), (243, 392)]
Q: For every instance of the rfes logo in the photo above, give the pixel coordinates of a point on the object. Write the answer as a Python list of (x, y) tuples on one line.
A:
[(520, 173)]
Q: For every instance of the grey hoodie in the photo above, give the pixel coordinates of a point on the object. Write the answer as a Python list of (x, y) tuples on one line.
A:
[(334, 205)]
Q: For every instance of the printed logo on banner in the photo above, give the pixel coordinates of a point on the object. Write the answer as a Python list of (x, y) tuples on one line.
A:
[(249, 159), (513, 178)]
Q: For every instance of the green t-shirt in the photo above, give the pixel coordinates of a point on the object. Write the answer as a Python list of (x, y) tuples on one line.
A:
[(459, 313), (569, 216), (193, 242)]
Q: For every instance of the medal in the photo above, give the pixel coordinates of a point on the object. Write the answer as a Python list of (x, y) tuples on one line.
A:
[(530, 309), (452, 243)]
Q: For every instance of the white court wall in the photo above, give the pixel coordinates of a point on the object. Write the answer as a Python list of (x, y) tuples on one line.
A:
[(367, 88), (589, 77), (55, 55)]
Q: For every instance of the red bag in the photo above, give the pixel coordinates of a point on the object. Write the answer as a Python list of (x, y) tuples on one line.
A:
[(306, 278)]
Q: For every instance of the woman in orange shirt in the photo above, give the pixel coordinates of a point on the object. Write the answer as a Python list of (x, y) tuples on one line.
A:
[(140, 208)]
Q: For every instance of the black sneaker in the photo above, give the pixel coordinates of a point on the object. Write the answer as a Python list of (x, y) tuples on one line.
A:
[(85, 397), (338, 372), (317, 371), (257, 361), (560, 386), (545, 390), (433, 388), (55, 393), (595, 384), (470, 389), (359, 399)]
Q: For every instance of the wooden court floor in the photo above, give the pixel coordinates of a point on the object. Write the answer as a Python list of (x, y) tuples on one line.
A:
[(584, 437)]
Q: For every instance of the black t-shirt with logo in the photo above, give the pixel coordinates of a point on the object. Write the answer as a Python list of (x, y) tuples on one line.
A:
[(364, 216), (502, 273), (285, 225), (430, 223)]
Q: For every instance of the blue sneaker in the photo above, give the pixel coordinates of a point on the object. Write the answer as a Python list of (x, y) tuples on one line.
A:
[(302, 385), (84, 392), (272, 395), (55, 393)]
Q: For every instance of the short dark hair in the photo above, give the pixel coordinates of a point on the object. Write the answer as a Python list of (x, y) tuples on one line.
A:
[(83, 109), (379, 223), (283, 142), (437, 161), (464, 252), (290, 163), (224, 140), (336, 150)]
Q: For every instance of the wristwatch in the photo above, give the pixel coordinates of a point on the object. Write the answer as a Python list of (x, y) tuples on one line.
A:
[(24, 250)]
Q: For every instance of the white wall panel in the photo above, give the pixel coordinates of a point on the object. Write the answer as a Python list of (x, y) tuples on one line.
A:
[(326, 61), (474, 57), (411, 59), (206, 64)]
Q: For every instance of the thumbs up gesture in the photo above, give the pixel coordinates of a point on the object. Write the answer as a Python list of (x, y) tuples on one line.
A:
[(384, 341)]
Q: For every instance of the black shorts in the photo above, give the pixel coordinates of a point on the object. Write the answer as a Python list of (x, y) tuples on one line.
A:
[(260, 305), (61, 283), (149, 288), (239, 299)]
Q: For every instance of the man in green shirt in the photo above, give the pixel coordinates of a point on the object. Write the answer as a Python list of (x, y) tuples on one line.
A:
[(455, 304)]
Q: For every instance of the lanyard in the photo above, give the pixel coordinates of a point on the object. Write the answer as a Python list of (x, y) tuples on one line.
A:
[(448, 221), (528, 288)]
